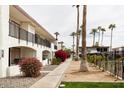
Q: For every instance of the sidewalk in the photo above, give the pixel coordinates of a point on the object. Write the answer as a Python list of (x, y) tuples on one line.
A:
[(53, 79), (94, 75)]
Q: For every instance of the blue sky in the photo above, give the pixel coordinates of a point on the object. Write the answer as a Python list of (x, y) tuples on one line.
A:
[(62, 18)]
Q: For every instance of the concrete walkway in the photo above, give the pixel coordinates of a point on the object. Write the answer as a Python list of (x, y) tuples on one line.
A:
[(53, 79), (94, 75)]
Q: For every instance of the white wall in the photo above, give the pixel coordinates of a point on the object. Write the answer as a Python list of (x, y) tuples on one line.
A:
[(4, 32), (26, 52)]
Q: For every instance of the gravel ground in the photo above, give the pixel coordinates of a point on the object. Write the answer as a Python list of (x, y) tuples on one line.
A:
[(49, 67), (19, 81), (23, 82)]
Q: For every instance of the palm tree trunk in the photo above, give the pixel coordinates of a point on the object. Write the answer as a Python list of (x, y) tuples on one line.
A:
[(102, 38), (77, 45), (73, 46), (93, 39), (111, 40), (84, 64), (99, 38)]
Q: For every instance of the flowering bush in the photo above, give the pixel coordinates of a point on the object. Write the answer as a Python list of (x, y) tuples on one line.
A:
[(61, 54), (30, 67), (68, 54), (68, 51)]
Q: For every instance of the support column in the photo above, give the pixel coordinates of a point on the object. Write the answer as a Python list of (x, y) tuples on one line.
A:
[(4, 39)]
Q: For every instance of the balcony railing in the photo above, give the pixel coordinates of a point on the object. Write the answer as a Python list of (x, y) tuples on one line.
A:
[(21, 34)]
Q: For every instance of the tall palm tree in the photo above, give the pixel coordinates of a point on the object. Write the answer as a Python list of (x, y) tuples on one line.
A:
[(79, 34), (73, 34), (111, 27), (93, 32), (103, 30), (56, 33), (84, 64), (77, 37), (99, 29)]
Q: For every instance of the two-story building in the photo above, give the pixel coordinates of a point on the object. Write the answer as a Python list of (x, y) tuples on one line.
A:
[(21, 36)]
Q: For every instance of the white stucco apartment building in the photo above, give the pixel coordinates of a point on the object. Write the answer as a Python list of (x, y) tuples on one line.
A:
[(21, 36)]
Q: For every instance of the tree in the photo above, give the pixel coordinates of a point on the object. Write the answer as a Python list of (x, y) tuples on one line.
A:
[(73, 34), (103, 30), (99, 29), (77, 40), (79, 34), (111, 27), (56, 33), (93, 32), (84, 64)]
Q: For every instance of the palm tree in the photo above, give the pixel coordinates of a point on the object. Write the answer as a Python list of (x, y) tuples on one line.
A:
[(73, 34), (93, 32), (84, 64), (103, 30), (99, 29), (111, 27), (77, 40), (79, 34), (56, 33)]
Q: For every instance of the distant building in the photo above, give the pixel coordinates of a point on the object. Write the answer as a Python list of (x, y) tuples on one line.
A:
[(96, 49), (118, 51)]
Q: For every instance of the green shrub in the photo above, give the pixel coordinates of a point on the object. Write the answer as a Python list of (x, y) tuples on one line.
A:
[(30, 67), (95, 58), (56, 61)]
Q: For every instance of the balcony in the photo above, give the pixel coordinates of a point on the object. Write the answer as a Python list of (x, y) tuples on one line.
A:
[(21, 34)]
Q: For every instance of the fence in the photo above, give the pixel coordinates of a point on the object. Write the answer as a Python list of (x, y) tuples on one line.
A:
[(114, 67)]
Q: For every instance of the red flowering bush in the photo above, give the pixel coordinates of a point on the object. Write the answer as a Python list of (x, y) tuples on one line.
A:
[(30, 67), (68, 54), (61, 54)]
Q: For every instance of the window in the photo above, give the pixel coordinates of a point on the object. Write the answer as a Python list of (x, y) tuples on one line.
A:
[(33, 38), (36, 39), (23, 34), (30, 36), (14, 56), (14, 29)]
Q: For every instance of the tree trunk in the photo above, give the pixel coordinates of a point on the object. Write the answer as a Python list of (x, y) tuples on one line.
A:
[(84, 63), (73, 46), (111, 40), (93, 38), (77, 45), (102, 38), (99, 38)]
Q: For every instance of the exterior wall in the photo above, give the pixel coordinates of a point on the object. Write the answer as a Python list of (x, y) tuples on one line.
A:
[(26, 52), (7, 42), (4, 32)]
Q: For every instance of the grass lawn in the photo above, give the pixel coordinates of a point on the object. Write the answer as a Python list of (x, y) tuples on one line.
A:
[(92, 85)]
